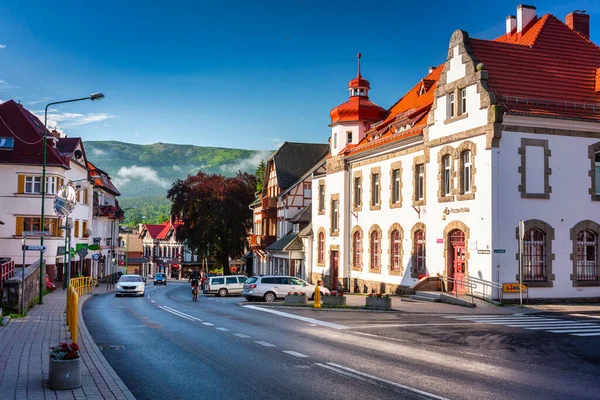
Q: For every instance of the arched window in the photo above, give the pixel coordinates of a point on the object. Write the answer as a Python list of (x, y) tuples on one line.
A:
[(534, 255), (375, 249), (321, 248), (395, 250), (357, 250), (465, 173), (419, 251), (587, 256), (447, 175)]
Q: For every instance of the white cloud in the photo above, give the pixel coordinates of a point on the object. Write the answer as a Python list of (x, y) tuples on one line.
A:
[(176, 168), (98, 152), (248, 164), (126, 174), (2, 46), (4, 86), (69, 120), (277, 142)]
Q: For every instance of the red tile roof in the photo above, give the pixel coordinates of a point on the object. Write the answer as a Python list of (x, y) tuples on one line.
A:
[(28, 131), (101, 179), (357, 108), (161, 231)]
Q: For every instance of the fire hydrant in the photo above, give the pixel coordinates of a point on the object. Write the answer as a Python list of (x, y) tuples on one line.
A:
[(317, 297)]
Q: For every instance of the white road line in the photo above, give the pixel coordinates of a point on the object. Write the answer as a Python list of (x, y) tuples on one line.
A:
[(208, 324), (358, 374), (266, 344), (298, 317), (578, 330), (182, 313), (241, 335), (295, 354), (506, 322), (555, 326), (179, 315), (586, 334), (152, 301), (222, 329), (407, 325), (490, 317), (585, 315), (557, 322)]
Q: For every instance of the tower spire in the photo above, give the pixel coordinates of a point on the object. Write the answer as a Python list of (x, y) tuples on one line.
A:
[(358, 56)]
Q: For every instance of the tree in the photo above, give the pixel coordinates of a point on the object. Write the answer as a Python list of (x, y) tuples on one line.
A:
[(214, 213), (260, 175)]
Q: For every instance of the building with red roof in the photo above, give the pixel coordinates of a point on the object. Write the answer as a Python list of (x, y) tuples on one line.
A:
[(161, 249), (503, 131)]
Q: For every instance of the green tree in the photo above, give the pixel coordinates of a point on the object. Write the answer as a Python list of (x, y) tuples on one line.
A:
[(260, 175)]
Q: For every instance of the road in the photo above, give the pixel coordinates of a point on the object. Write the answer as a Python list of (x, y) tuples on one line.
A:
[(166, 346)]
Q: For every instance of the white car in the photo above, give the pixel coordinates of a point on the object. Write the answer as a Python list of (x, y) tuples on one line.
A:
[(272, 287), (224, 285), (130, 285)]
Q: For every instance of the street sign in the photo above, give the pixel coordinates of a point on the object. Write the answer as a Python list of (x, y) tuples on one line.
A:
[(80, 246), (512, 287), (93, 247), (96, 256), (72, 252), (500, 251), (34, 248), (36, 233)]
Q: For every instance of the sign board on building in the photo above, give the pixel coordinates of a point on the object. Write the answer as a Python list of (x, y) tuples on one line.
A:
[(512, 287), (93, 247), (34, 248), (500, 251), (483, 252), (440, 240)]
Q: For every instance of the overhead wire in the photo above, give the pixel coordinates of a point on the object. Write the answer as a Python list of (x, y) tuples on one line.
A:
[(16, 136)]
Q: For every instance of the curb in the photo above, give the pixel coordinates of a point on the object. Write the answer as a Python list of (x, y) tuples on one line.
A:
[(93, 347), (5, 321)]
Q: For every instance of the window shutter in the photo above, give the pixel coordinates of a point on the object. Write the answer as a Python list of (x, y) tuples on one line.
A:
[(59, 232), (19, 226), (83, 227), (21, 184), (76, 232)]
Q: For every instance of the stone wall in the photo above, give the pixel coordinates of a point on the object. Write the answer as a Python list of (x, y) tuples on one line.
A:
[(366, 286), (12, 291)]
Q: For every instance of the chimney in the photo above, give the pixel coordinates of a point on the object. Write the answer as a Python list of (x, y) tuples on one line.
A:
[(525, 14), (579, 21), (511, 24), (431, 69)]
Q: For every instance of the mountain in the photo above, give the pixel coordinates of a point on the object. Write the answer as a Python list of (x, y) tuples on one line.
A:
[(144, 173)]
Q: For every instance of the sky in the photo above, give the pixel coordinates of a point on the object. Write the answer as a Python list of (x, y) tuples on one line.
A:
[(237, 74)]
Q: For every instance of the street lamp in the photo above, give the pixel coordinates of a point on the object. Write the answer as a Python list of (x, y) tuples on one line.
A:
[(127, 249), (93, 96)]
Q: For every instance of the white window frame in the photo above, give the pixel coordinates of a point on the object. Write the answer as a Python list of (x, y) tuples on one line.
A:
[(466, 171), (357, 191), (335, 215), (451, 105), (463, 101), (335, 140), (374, 189), (396, 186), (349, 136), (447, 174), (32, 182), (597, 171), (420, 182)]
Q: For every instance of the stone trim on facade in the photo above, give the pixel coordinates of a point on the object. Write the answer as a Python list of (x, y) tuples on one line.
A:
[(333, 198), (389, 156), (378, 269), (396, 166), (357, 228), (583, 226), (452, 226), (373, 207), (592, 150), (525, 142), (443, 152), (417, 161), (335, 164), (552, 131), (398, 227), (357, 207), (321, 210), (459, 191), (417, 227), (549, 235), (319, 231)]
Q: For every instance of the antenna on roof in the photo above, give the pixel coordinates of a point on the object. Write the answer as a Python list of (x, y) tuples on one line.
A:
[(358, 56)]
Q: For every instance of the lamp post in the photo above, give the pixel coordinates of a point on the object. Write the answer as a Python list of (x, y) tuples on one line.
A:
[(93, 96), (127, 249)]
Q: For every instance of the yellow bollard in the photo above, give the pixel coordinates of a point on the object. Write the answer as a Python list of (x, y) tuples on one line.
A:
[(317, 297)]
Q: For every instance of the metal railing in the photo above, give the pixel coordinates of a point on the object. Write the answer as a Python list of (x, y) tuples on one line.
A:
[(473, 283), (77, 287), (7, 271), (456, 282)]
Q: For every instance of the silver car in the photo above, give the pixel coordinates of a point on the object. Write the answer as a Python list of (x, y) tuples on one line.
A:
[(272, 287), (224, 285), (130, 285)]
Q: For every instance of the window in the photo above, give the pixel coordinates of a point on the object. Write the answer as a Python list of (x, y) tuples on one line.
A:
[(451, 105), (534, 255), (335, 140), (84, 228), (357, 250), (463, 101), (597, 170), (357, 191), (334, 215), (51, 184), (395, 186), (375, 249), (297, 282), (33, 184), (108, 241), (242, 279), (587, 256), (33, 224), (307, 190), (419, 246), (374, 189), (76, 229), (395, 251), (321, 248), (447, 175), (321, 198), (420, 182), (268, 280), (465, 158), (349, 133), (216, 281), (231, 280)]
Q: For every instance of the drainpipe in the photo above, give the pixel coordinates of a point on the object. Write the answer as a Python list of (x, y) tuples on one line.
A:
[(349, 228)]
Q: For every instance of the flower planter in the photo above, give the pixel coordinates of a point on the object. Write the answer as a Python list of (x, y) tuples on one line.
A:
[(298, 299), (379, 303), (334, 300), (64, 374)]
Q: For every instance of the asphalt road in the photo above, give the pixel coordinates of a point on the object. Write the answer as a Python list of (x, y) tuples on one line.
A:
[(166, 346)]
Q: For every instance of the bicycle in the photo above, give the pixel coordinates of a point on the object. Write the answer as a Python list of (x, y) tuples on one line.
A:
[(195, 291)]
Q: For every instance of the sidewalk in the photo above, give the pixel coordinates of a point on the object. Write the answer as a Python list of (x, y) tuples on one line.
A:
[(24, 352)]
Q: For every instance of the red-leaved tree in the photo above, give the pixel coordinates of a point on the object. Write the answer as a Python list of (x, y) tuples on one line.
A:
[(214, 213)]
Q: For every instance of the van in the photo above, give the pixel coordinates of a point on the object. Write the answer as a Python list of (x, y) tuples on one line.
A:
[(224, 285)]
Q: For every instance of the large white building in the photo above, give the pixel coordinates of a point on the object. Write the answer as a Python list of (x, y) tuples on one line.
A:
[(504, 130)]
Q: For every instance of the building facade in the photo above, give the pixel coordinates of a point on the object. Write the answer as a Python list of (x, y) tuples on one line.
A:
[(162, 250)]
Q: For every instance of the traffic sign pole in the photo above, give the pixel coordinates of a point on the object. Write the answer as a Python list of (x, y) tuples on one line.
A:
[(23, 278)]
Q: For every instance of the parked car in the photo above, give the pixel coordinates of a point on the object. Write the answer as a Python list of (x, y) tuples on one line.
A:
[(160, 279), (272, 287), (224, 285), (130, 285)]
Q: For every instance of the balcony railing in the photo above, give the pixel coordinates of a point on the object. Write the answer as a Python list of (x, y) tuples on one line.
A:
[(7, 271), (261, 241), (268, 203)]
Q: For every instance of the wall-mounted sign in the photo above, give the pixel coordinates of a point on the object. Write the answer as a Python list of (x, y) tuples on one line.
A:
[(448, 210), (513, 287), (483, 252), (440, 240), (500, 251)]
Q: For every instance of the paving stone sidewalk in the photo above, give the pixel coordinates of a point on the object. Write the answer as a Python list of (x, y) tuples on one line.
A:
[(24, 351)]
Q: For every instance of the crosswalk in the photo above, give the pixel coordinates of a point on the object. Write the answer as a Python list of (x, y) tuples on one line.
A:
[(582, 327)]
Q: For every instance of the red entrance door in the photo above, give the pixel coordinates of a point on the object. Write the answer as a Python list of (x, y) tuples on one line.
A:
[(458, 252), (334, 269)]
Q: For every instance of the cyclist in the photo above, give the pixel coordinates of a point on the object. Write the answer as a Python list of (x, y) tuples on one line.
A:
[(194, 280)]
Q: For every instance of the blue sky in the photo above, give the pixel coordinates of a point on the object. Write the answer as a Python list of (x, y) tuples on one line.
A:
[(242, 74)]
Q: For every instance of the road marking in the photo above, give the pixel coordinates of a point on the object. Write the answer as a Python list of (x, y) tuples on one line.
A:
[(295, 354), (487, 317), (266, 344), (208, 324), (152, 301), (222, 329), (555, 326), (179, 315), (298, 317), (182, 314), (582, 330), (407, 325), (357, 374), (585, 315), (586, 334), (241, 335)]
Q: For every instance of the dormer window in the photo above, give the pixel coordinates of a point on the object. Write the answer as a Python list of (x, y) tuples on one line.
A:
[(422, 91)]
